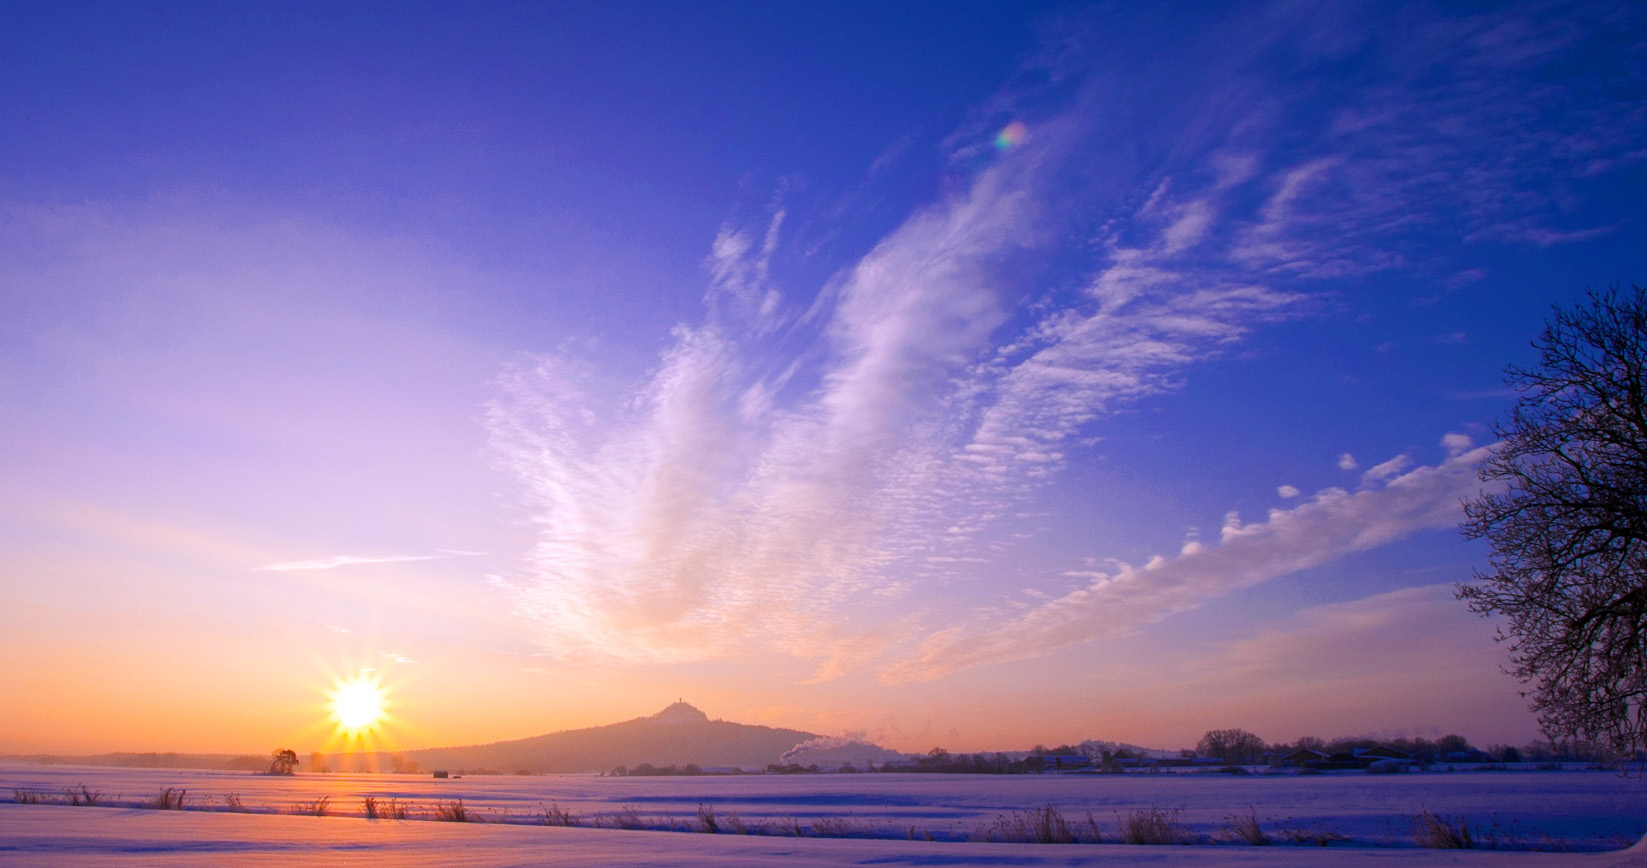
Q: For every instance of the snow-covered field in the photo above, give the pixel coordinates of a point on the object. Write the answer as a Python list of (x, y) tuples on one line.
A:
[(1593, 811)]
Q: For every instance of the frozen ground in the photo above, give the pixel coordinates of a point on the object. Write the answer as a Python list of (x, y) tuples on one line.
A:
[(39, 835), (1586, 810)]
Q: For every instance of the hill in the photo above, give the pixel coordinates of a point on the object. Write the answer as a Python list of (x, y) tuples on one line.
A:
[(677, 735)]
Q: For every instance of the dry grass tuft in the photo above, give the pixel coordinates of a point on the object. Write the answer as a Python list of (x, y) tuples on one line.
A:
[(314, 807), (1245, 829), (707, 822), (452, 812), (554, 816), (231, 803), (627, 818), (1044, 825), (84, 796), (1437, 831), (168, 799), (1152, 825), (25, 797), (384, 809), (739, 826)]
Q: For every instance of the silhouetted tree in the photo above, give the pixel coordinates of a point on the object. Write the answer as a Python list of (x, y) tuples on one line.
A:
[(1566, 515), (283, 762)]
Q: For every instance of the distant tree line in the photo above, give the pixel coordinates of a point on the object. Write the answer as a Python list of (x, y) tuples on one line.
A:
[(1232, 747), (1229, 746), (942, 761), (1240, 746), (648, 770)]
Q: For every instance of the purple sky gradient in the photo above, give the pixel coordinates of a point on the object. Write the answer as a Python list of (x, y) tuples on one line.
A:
[(557, 362)]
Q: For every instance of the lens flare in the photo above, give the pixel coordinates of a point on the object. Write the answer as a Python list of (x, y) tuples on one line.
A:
[(1010, 136)]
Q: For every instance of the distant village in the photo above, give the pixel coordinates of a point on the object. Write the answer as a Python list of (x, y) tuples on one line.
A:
[(1220, 751)]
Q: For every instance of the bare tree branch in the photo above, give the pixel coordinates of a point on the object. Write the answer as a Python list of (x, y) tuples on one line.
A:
[(1568, 524)]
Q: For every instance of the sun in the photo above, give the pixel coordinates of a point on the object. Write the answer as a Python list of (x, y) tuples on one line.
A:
[(363, 716), (358, 704)]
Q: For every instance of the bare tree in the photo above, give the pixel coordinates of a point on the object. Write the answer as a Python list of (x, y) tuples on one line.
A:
[(1565, 511), (1230, 745)]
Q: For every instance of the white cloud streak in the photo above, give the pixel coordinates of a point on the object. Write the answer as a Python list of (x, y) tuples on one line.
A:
[(1333, 523), (1386, 470), (336, 561), (1456, 443)]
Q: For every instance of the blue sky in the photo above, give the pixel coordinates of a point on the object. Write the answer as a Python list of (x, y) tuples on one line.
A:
[(859, 369)]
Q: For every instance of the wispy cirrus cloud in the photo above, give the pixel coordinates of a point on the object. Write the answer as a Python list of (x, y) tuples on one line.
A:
[(809, 475), (740, 273), (726, 501), (704, 510)]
